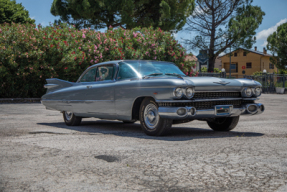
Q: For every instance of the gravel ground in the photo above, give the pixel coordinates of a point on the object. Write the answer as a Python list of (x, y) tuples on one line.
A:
[(38, 152)]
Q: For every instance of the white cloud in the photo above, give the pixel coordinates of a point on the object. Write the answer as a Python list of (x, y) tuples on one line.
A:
[(222, 53), (197, 11), (266, 32), (32, 17), (264, 44), (174, 35)]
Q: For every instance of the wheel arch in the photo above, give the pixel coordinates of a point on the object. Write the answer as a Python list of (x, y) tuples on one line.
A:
[(136, 106)]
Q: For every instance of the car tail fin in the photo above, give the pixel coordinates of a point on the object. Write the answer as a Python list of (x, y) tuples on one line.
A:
[(56, 84)]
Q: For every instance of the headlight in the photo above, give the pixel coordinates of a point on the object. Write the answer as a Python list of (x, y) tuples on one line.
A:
[(257, 91), (178, 92), (247, 92), (189, 92)]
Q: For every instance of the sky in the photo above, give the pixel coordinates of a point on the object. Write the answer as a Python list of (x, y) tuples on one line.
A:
[(275, 14)]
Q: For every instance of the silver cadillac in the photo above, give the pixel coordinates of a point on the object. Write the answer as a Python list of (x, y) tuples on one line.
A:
[(156, 93)]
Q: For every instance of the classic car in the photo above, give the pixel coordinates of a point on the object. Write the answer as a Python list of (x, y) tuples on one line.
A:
[(156, 93)]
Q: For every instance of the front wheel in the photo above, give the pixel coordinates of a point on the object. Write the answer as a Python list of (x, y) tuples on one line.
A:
[(223, 123), (71, 119), (151, 123)]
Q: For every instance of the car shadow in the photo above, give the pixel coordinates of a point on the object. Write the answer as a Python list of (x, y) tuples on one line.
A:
[(134, 130)]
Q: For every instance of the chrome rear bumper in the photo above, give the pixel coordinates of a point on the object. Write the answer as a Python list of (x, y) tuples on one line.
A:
[(193, 113)]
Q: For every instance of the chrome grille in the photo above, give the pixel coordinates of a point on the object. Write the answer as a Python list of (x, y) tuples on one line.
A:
[(215, 95), (206, 104)]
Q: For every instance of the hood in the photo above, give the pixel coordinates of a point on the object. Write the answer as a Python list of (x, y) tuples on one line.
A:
[(219, 84)]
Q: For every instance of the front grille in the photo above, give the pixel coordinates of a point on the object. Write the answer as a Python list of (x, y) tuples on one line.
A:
[(216, 95), (206, 104)]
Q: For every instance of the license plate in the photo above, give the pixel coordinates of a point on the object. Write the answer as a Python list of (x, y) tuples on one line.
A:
[(223, 109)]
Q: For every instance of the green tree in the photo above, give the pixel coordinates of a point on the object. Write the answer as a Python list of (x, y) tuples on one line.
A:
[(166, 14), (277, 43), (220, 24), (10, 11)]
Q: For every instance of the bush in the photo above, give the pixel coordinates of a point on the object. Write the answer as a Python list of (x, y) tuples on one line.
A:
[(204, 69), (29, 55)]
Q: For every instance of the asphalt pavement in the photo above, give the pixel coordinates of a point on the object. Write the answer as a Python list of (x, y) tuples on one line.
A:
[(38, 152)]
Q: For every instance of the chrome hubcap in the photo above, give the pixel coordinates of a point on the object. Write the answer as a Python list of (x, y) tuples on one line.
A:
[(68, 115), (151, 116)]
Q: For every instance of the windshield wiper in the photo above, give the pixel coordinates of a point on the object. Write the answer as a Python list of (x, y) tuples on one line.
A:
[(174, 74), (152, 74)]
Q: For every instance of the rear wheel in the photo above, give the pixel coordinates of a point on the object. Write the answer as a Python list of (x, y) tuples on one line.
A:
[(151, 123), (71, 119), (223, 124)]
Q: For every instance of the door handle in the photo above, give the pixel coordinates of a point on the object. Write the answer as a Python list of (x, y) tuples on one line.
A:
[(89, 87)]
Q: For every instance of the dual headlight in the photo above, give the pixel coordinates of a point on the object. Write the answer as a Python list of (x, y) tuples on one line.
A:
[(249, 92), (179, 92)]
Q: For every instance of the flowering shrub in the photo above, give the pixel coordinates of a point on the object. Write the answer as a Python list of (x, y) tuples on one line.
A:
[(29, 55)]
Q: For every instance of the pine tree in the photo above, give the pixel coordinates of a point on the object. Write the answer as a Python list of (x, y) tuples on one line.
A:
[(221, 24)]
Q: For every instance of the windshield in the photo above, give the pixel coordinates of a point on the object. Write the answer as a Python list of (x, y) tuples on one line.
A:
[(140, 69)]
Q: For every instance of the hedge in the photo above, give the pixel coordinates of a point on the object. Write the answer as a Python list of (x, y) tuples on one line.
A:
[(30, 54)]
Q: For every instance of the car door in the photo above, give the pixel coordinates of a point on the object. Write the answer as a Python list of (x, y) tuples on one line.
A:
[(95, 92)]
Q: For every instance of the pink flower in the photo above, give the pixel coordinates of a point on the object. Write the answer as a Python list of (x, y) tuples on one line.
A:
[(154, 58), (92, 61), (135, 34), (89, 50), (84, 36), (80, 48)]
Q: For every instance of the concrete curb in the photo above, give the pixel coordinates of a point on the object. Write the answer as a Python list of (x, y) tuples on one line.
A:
[(20, 100)]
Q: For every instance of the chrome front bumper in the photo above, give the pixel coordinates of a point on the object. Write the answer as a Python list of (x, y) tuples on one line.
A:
[(193, 113)]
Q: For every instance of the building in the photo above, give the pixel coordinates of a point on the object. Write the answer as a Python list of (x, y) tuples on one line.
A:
[(246, 62), (194, 59), (217, 63)]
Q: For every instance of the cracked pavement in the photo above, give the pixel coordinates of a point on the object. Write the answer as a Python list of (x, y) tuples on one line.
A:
[(38, 152)]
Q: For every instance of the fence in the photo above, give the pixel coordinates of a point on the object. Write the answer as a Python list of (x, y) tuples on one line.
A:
[(269, 81)]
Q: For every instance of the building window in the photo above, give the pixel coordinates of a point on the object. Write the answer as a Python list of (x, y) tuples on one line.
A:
[(248, 65), (244, 53), (271, 66), (235, 54), (234, 68)]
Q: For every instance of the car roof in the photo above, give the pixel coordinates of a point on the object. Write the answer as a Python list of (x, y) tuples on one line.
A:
[(117, 61)]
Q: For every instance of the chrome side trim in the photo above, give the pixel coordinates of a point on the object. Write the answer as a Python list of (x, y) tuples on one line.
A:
[(48, 86), (73, 101)]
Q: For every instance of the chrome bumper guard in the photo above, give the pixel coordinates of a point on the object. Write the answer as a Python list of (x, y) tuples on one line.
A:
[(193, 113)]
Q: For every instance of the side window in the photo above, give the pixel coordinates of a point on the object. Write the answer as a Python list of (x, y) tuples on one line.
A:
[(105, 72), (126, 71), (89, 76)]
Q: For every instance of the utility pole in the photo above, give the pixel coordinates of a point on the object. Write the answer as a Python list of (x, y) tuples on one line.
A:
[(230, 64)]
